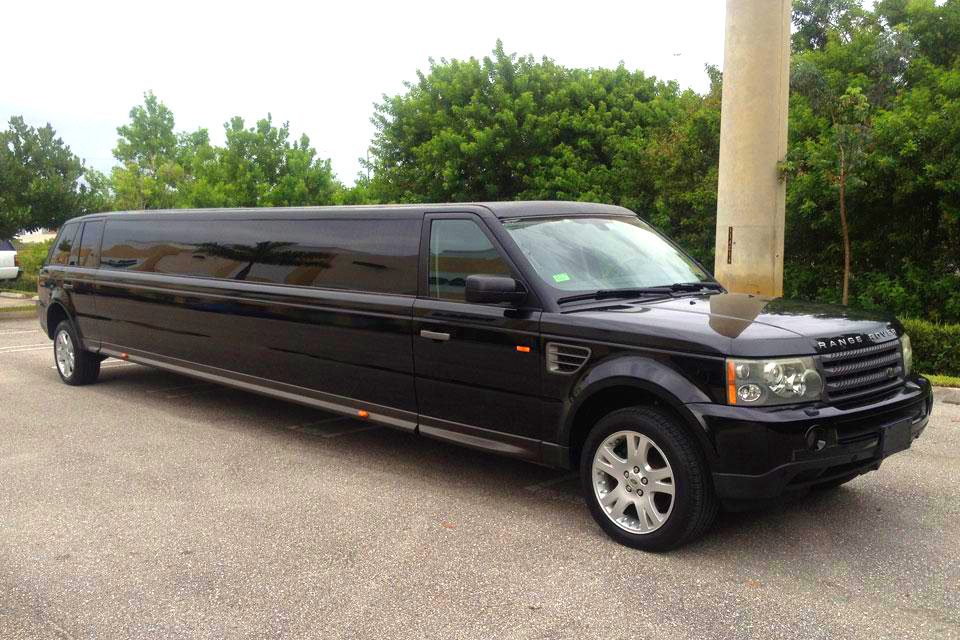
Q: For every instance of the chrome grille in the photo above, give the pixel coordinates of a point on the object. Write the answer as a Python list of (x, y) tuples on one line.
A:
[(862, 372), (566, 358)]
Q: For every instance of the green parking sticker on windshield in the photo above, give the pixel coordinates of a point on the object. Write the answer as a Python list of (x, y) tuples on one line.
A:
[(560, 277)]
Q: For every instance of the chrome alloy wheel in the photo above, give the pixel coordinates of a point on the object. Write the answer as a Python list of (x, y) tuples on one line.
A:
[(633, 482), (64, 351)]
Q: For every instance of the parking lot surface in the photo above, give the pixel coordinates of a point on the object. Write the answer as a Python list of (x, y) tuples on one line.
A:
[(153, 505)]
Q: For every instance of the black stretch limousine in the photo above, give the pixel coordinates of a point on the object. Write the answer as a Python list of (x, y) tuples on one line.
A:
[(567, 334)]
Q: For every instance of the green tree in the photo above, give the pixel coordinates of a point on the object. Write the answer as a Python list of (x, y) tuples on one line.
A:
[(878, 90), (815, 20), (42, 182), (260, 166), (149, 173), (508, 127)]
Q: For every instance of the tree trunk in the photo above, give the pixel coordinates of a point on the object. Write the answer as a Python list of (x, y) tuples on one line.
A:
[(843, 227)]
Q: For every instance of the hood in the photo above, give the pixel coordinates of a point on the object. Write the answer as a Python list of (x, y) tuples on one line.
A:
[(739, 325)]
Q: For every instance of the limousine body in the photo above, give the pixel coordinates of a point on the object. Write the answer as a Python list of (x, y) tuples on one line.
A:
[(567, 334)]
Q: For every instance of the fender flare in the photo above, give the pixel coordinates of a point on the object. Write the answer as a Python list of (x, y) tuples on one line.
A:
[(646, 374), (57, 300)]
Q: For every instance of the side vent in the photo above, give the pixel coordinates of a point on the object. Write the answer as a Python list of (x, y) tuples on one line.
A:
[(566, 358)]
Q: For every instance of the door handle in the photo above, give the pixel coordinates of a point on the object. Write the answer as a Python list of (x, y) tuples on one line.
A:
[(67, 286), (434, 335)]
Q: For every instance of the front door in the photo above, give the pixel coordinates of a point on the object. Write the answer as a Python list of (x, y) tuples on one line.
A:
[(477, 366)]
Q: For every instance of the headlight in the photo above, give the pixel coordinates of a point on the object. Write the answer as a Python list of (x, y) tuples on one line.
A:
[(907, 354), (772, 381)]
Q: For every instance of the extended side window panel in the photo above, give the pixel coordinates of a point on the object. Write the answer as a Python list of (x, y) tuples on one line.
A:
[(375, 255)]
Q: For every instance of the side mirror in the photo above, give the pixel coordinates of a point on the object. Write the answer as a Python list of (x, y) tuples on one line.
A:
[(494, 290)]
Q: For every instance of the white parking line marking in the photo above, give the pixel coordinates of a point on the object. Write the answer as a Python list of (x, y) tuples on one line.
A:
[(110, 363), (14, 347), (10, 332), (43, 348)]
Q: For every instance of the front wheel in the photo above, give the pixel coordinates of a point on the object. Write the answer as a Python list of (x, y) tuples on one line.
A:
[(75, 366), (644, 480)]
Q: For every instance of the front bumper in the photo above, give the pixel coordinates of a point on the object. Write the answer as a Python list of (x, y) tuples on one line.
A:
[(761, 453)]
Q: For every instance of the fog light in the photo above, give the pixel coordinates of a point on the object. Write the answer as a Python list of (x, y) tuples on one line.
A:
[(816, 439)]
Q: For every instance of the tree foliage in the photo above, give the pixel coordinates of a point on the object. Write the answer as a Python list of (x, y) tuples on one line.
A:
[(42, 182), (508, 127), (258, 166), (880, 92)]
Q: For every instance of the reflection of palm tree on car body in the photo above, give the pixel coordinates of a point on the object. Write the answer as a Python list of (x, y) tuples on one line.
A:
[(272, 253)]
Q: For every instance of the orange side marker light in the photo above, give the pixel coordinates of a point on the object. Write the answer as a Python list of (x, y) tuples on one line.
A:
[(523, 349), (731, 383), (363, 413)]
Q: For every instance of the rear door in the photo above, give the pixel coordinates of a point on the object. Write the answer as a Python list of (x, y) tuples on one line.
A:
[(84, 282), (55, 282), (477, 365)]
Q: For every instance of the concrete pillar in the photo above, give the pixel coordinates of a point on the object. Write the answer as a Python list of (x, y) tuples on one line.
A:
[(753, 140)]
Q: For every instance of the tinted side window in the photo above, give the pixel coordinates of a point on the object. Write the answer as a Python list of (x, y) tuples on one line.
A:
[(64, 244), (459, 248), (366, 255), (90, 244)]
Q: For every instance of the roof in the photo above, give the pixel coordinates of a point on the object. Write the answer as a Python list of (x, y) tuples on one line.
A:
[(513, 209)]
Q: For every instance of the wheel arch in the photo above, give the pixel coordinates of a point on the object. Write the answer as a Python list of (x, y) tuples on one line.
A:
[(627, 382), (56, 313)]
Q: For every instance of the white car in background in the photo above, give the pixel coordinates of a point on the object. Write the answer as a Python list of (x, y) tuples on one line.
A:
[(9, 263)]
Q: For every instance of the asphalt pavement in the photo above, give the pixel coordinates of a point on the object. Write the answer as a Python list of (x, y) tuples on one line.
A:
[(154, 505)]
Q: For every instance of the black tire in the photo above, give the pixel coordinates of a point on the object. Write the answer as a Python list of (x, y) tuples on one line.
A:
[(694, 502), (86, 367)]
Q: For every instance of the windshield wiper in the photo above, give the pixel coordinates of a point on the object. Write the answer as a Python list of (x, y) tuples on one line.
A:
[(605, 294), (670, 289), (696, 286)]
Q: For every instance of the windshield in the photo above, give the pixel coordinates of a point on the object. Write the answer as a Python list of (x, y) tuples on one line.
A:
[(595, 253)]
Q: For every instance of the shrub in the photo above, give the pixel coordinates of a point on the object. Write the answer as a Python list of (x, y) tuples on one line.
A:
[(31, 259), (936, 347)]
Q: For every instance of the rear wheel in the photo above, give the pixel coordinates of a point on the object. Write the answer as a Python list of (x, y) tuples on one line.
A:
[(645, 481), (75, 366)]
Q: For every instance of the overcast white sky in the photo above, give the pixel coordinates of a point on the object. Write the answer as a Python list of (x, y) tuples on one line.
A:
[(82, 65)]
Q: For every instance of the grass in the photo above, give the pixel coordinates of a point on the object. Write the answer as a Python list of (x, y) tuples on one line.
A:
[(18, 308), (943, 381)]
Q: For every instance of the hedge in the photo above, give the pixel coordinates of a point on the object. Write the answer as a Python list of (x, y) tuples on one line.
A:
[(31, 257), (936, 347)]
